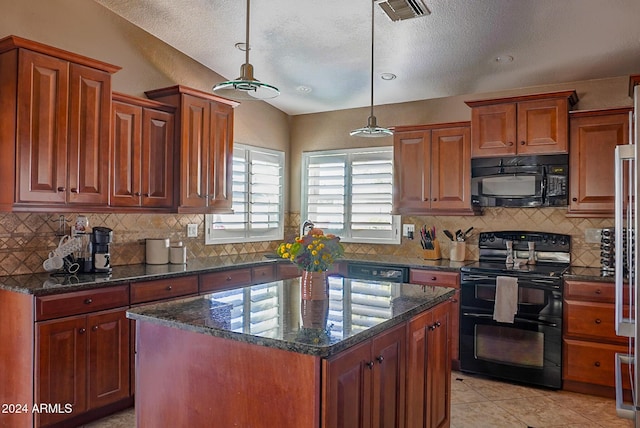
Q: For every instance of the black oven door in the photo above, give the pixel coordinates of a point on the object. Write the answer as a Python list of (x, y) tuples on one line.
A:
[(529, 350), (524, 189)]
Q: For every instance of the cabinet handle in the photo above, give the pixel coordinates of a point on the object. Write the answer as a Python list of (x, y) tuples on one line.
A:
[(146, 195), (432, 327), (370, 364), (598, 291), (82, 330), (136, 194), (522, 143), (598, 320), (435, 199), (94, 328), (228, 278), (61, 189), (426, 199), (597, 364), (453, 300), (74, 190), (510, 143), (88, 301), (433, 278), (380, 359), (169, 288), (574, 199)]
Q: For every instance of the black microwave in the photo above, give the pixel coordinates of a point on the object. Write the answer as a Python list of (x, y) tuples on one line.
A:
[(520, 181)]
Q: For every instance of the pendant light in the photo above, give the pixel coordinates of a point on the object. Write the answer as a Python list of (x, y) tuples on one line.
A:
[(246, 87), (372, 129)]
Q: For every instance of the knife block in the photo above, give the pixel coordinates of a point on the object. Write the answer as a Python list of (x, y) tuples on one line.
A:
[(432, 254)]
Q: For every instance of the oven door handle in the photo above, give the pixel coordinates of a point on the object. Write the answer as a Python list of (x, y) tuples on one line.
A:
[(524, 320)]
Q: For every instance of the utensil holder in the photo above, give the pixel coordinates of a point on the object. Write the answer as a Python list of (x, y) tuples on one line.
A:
[(432, 254), (457, 251)]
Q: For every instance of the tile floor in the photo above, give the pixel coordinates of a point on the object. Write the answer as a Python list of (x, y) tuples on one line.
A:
[(478, 402)]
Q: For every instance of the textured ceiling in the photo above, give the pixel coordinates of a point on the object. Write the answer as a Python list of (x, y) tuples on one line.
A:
[(326, 45)]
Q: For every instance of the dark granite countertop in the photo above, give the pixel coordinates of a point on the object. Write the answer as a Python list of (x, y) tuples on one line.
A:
[(274, 315), (580, 273)]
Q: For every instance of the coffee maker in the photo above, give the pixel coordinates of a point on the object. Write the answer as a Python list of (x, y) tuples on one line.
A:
[(101, 238)]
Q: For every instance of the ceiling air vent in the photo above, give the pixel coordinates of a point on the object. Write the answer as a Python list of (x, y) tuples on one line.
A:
[(400, 10)]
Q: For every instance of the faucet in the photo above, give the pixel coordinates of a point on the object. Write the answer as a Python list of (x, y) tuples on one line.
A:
[(306, 227)]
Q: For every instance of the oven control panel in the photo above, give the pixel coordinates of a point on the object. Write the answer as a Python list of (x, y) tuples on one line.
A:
[(543, 241)]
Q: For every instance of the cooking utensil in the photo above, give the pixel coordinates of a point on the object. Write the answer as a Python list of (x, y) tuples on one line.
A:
[(449, 235), (459, 235)]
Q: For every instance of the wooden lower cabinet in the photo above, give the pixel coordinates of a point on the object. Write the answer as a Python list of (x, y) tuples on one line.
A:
[(364, 386), (589, 338), (82, 363), (428, 399)]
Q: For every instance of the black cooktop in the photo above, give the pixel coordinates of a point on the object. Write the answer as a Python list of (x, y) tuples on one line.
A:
[(547, 270)]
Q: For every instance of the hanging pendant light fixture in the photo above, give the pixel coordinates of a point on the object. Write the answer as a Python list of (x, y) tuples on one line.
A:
[(372, 129), (246, 87)]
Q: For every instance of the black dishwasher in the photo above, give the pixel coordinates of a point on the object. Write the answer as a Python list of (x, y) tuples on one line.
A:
[(378, 272)]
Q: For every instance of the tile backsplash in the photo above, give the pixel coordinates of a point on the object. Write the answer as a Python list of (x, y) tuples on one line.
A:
[(27, 238)]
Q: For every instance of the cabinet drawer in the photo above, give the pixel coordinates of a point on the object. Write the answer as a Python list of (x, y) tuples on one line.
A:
[(595, 320), (594, 291), (262, 274), (288, 270), (81, 302), (163, 289), (434, 277), (591, 362), (225, 279)]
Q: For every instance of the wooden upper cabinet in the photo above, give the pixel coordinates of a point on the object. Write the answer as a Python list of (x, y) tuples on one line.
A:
[(142, 153), (432, 169), (205, 139), (594, 137), (525, 125), (59, 121)]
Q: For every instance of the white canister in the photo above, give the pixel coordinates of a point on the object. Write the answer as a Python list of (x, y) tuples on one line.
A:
[(157, 251), (177, 254)]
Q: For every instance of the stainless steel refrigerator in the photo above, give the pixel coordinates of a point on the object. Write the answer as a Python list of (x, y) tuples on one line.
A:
[(626, 266)]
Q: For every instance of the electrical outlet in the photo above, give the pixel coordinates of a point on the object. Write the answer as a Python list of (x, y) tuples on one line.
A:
[(192, 231), (406, 228), (592, 236)]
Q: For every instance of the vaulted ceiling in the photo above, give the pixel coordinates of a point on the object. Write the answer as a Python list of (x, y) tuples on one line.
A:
[(318, 53)]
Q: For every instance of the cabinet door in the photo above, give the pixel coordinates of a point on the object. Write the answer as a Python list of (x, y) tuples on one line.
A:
[(543, 126), (109, 369), (43, 92), (220, 160), (61, 374), (347, 388), (416, 398), (411, 166), (88, 149), (450, 168), (389, 378), (593, 142), (493, 130), (126, 155), (439, 368), (193, 152), (157, 158)]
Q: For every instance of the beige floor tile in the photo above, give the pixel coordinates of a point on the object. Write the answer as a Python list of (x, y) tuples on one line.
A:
[(482, 415)]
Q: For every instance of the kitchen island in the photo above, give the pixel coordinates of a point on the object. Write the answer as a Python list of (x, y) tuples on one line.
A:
[(263, 356)]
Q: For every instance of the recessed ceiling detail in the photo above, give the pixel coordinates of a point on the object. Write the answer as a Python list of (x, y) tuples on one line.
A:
[(400, 10)]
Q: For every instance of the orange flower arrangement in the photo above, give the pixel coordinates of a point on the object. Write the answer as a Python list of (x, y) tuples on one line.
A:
[(313, 252)]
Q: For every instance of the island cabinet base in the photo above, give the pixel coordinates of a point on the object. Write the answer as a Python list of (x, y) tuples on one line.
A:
[(188, 379)]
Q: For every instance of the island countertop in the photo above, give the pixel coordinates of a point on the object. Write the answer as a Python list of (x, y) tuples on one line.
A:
[(274, 314)]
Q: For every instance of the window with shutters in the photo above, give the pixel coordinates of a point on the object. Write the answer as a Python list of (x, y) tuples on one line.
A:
[(349, 193), (258, 208)]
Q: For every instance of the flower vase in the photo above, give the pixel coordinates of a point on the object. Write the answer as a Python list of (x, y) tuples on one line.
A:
[(314, 285)]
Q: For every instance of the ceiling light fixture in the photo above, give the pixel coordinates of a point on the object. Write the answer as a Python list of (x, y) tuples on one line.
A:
[(246, 87), (372, 129)]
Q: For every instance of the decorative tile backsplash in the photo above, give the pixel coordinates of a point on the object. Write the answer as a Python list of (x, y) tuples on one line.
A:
[(27, 238)]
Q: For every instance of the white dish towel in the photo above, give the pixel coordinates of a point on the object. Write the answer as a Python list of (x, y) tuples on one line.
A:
[(506, 303)]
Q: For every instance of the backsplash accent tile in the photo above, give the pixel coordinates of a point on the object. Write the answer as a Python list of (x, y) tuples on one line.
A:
[(27, 238)]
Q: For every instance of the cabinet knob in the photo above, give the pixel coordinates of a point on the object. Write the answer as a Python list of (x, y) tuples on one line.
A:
[(435, 199), (522, 143), (73, 190), (88, 301), (136, 194), (453, 300), (380, 359), (169, 288), (432, 327), (61, 189), (597, 364), (82, 330), (426, 199), (510, 143), (433, 278), (370, 364), (146, 195), (598, 320), (228, 278), (574, 199), (94, 328), (598, 291)]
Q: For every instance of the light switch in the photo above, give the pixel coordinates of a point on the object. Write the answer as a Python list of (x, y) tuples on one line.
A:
[(192, 231), (408, 228)]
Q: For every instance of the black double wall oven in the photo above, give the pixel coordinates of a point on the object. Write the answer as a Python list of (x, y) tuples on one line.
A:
[(527, 349)]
